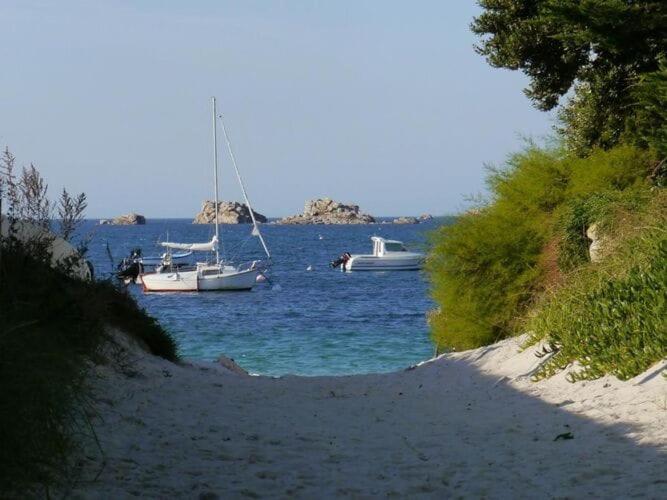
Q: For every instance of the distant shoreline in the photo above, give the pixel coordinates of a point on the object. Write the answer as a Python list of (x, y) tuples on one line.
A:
[(379, 219)]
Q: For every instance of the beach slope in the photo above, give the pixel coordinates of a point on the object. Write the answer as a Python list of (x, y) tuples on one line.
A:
[(467, 424)]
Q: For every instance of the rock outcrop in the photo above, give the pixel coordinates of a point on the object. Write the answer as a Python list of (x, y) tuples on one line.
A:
[(406, 220), (61, 250), (328, 211), (130, 219), (229, 212), (425, 217)]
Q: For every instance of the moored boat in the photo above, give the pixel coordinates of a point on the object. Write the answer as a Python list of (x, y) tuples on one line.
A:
[(211, 275), (203, 277), (136, 263), (388, 255)]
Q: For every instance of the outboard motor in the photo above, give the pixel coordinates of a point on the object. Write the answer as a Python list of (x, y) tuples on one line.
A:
[(135, 254), (130, 267), (340, 261), (130, 272)]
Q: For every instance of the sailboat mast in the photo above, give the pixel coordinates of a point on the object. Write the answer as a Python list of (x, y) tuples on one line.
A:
[(215, 181)]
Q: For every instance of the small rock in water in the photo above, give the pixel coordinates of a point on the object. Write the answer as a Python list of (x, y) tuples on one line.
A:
[(406, 220), (125, 220), (230, 365)]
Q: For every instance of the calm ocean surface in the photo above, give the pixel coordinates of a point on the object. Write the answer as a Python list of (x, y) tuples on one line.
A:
[(319, 322)]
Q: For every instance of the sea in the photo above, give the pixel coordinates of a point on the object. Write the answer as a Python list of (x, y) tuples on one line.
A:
[(308, 319)]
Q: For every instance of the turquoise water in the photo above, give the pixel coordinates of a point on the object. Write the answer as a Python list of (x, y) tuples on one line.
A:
[(319, 322)]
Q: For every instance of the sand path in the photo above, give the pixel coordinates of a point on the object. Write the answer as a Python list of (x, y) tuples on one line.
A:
[(464, 425)]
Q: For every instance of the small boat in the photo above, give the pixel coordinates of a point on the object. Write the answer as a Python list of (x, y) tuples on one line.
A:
[(134, 264), (165, 259), (388, 255), (210, 275), (202, 276)]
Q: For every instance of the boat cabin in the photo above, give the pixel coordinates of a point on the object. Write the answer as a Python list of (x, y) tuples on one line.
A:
[(382, 247)]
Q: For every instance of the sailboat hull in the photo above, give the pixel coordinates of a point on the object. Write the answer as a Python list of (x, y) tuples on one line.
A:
[(198, 281), (170, 282), (243, 280)]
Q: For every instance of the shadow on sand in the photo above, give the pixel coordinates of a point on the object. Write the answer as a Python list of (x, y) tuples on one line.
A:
[(441, 430)]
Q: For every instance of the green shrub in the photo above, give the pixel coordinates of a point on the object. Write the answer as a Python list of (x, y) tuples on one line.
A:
[(493, 264), (484, 267), (601, 188), (616, 169), (606, 209), (476, 260), (649, 126), (612, 317), (51, 328)]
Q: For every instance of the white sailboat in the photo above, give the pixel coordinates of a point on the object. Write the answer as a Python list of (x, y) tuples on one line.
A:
[(210, 276)]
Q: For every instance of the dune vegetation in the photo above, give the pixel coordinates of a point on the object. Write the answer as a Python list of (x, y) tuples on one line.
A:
[(53, 326), (522, 260)]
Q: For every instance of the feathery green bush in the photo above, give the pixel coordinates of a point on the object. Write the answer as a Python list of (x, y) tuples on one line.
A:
[(484, 267), (494, 263)]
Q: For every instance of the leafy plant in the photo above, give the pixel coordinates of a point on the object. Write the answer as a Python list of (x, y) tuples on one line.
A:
[(610, 318), (649, 129), (485, 268), (598, 48), (52, 327), (490, 267)]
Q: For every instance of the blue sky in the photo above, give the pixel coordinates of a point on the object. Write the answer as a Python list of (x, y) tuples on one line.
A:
[(380, 103)]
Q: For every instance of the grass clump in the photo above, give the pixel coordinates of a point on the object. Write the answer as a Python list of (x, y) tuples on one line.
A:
[(495, 264), (53, 326), (606, 209), (612, 317)]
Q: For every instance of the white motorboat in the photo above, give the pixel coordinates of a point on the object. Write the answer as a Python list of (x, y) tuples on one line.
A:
[(388, 255), (216, 275)]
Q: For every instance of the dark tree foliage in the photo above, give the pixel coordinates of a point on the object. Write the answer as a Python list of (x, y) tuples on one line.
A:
[(597, 114), (599, 46), (650, 101)]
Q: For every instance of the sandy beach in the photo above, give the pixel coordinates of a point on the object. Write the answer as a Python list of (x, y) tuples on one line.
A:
[(469, 425)]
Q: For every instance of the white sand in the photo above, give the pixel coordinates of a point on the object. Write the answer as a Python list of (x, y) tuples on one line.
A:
[(463, 425)]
